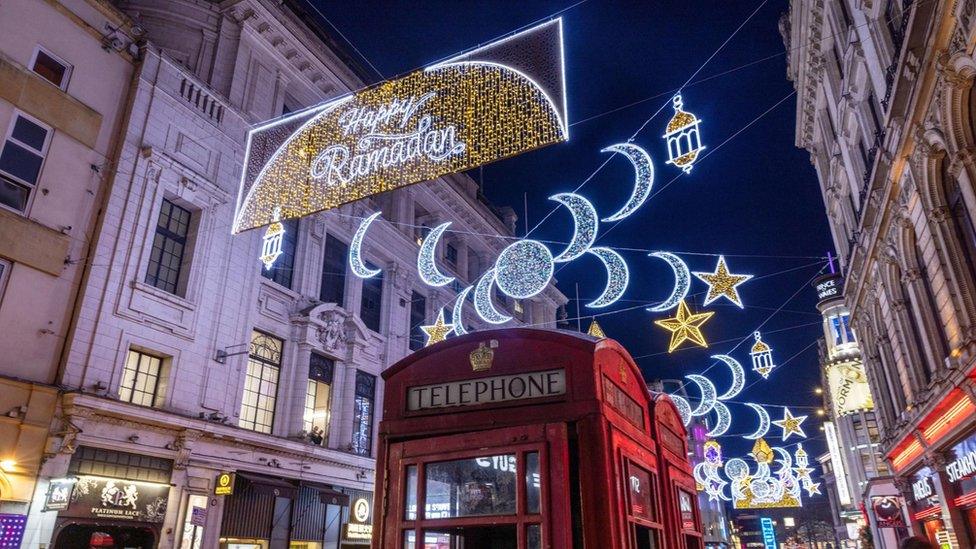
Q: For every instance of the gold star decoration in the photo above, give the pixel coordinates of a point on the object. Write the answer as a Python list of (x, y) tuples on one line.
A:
[(685, 326), (438, 331), (812, 488), (722, 283), (595, 330), (790, 424), (803, 473)]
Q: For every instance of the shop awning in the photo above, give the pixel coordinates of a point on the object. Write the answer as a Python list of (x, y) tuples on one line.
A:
[(269, 485), (328, 495)]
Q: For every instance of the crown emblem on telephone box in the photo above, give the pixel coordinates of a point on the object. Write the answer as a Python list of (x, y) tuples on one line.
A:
[(482, 357)]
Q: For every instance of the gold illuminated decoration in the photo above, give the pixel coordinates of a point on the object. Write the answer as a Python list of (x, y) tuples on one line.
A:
[(683, 137), (685, 326), (595, 330), (272, 240), (722, 283), (438, 331), (790, 424), (498, 101)]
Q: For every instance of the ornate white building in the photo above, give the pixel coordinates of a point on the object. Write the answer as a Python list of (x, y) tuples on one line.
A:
[(191, 370), (885, 108)]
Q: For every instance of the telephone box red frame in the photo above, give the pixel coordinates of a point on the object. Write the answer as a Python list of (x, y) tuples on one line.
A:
[(598, 443)]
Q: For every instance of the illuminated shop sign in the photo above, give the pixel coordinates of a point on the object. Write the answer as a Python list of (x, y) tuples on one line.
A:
[(922, 488), (117, 499), (59, 494), (888, 511), (837, 462), (768, 533), (849, 389), (224, 485), (359, 526), (829, 287), (497, 101), (472, 392)]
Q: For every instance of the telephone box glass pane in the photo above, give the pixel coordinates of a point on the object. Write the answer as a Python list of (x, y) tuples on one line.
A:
[(409, 540), (533, 484), (641, 494), (410, 494), (471, 487), (472, 537), (533, 536)]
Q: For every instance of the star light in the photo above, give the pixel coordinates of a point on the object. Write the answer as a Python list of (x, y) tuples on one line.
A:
[(438, 331), (722, 283), (790, 424), (803, 473), (685, 326), (812, 488)]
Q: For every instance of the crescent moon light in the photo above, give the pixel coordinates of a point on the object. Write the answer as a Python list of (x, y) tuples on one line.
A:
[(763, 422), (618, 277), (426, 266), (708, 394), (684, 409), (724, 420), (456, 314), (682, 282), (355, 250), (482, 300), (738, 376), (586, 222), (643, 182), (787, 460)]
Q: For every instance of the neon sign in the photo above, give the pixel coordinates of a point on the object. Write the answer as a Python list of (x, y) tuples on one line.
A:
[(768, 533), (497, 101)]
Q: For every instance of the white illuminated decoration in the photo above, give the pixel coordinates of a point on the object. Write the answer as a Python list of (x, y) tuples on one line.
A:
[(684, 409), (724, 420), (682, 282), (523, 269), (762, 357), (709, 396), (683, 137), (585, 222), (618, 277), (759, 489), (482, 300), (272, 240), (379, 149), (456, 317), (355, 250), (426, 266), (764, 422), (738, 376), (643, 182)]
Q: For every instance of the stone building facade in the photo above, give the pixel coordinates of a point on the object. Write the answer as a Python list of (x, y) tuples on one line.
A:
[(205, 400), (64, 81), (885, 108)]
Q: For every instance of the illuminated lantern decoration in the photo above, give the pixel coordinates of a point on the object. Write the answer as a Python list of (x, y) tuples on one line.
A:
[(682, 136), (762, 357), (272, 240)]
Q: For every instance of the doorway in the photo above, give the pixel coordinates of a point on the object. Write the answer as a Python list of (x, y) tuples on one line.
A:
[(85, 536)]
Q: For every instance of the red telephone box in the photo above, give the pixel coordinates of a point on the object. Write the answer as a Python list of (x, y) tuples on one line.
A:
[(530, 438)]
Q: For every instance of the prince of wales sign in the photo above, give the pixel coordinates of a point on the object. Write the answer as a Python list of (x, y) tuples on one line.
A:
[(497, 101)]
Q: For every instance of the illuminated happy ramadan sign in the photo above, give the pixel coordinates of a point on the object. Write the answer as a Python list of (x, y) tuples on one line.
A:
[(494, 102)]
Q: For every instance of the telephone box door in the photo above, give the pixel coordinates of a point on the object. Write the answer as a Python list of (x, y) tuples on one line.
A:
[(500, 488)]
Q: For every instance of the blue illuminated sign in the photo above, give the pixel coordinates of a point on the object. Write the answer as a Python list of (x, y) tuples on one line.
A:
[(769, 534)]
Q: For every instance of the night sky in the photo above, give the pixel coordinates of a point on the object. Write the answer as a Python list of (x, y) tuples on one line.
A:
[(755, 196)]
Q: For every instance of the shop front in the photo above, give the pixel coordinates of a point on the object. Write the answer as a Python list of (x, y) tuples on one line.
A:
[(109, 500), (960, 473), (264, 512), (926, 505)]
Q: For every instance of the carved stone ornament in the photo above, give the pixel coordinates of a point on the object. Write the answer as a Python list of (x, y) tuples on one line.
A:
[(332, 333)]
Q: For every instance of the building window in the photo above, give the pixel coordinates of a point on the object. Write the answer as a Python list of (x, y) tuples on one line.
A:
[(284, 267), (362, 418), (169, 247), (140, 379), (51, 68), (20, 161), (261, 384), (318, 397), (962, 223), (451, 255), (372, 300), (333, 288), (109, 463), (418, 315), (4, 275)]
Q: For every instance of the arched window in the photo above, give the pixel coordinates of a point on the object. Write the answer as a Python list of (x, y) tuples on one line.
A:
[(942, 343), (914, 339), (962, 222)]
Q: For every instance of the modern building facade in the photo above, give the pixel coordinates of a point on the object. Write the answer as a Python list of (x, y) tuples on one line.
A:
[(203, 400), (64, 81), (884, 107)]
